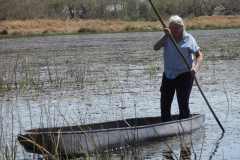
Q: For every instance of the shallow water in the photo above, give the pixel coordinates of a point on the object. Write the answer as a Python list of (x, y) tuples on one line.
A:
[(63, 80)]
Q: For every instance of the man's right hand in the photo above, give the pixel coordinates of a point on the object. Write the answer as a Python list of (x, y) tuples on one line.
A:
[(167, 31)]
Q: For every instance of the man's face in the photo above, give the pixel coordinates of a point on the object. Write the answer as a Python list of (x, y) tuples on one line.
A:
[(176, 30)]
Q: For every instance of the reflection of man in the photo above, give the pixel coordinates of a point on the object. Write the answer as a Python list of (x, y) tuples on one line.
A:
[(177, 76), (168, 155), (185, 153)]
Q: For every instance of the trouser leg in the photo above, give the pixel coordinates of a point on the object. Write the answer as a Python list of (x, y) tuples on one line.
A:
[(167, 94), (183, 89)]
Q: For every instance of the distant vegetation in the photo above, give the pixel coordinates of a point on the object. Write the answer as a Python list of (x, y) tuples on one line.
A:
[(38, 17), (53, 26), (112, 9)]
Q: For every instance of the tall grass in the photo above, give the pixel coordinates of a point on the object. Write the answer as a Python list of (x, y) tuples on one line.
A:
[(26, 77), (44, 26), (41, 26), (213, 22)]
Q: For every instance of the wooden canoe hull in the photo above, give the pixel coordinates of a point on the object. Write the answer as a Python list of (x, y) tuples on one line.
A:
[(73, 141)]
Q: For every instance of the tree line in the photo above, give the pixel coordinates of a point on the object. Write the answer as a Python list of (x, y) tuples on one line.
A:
[(113, 9)]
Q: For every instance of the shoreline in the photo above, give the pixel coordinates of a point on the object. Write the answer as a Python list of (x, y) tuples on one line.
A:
[(48, 27)]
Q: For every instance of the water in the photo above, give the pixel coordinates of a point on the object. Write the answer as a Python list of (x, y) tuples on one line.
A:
[(76, 79)]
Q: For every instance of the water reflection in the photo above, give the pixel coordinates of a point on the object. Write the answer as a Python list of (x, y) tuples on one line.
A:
[(219, 140), (168, 154), (187, 150), (185, 153)]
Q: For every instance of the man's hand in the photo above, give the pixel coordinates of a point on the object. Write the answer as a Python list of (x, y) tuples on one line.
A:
[(198, 62), (194, 69), (167, 31)]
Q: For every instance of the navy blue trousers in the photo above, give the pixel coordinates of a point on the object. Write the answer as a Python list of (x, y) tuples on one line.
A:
[(182, 85)]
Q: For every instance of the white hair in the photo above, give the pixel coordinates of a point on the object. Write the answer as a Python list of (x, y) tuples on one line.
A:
[(176, 20)]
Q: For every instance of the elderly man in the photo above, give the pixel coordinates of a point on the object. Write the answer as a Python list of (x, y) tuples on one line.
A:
[(177, 76)]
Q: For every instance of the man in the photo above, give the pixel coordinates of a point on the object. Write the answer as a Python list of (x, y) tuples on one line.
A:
[(177, 76)]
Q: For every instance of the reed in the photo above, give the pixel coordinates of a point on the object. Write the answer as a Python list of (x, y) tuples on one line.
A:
[(213, 22), (47, 119), (48, 26), (44, 26)]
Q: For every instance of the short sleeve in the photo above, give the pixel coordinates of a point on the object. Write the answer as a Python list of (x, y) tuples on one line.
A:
[(194, 45)]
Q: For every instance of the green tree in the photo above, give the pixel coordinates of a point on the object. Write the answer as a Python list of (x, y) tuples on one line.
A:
[(144, 11), (132, 10)]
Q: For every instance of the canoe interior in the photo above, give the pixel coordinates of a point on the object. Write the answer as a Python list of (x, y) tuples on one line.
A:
[(132, 122)]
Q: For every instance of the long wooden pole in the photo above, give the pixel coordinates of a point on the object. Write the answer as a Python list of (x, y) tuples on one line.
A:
[(188, 66)]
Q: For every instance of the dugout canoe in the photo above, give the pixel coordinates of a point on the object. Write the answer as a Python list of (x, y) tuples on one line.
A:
[(98, 137)]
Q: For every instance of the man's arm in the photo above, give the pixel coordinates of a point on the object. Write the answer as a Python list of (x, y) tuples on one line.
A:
[(160, 43), (198, 62)]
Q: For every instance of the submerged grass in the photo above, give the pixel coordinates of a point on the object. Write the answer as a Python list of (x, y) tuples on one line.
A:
[(52, 27)]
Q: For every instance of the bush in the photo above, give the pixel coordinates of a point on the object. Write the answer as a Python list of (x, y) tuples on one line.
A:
[(3, 32)]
